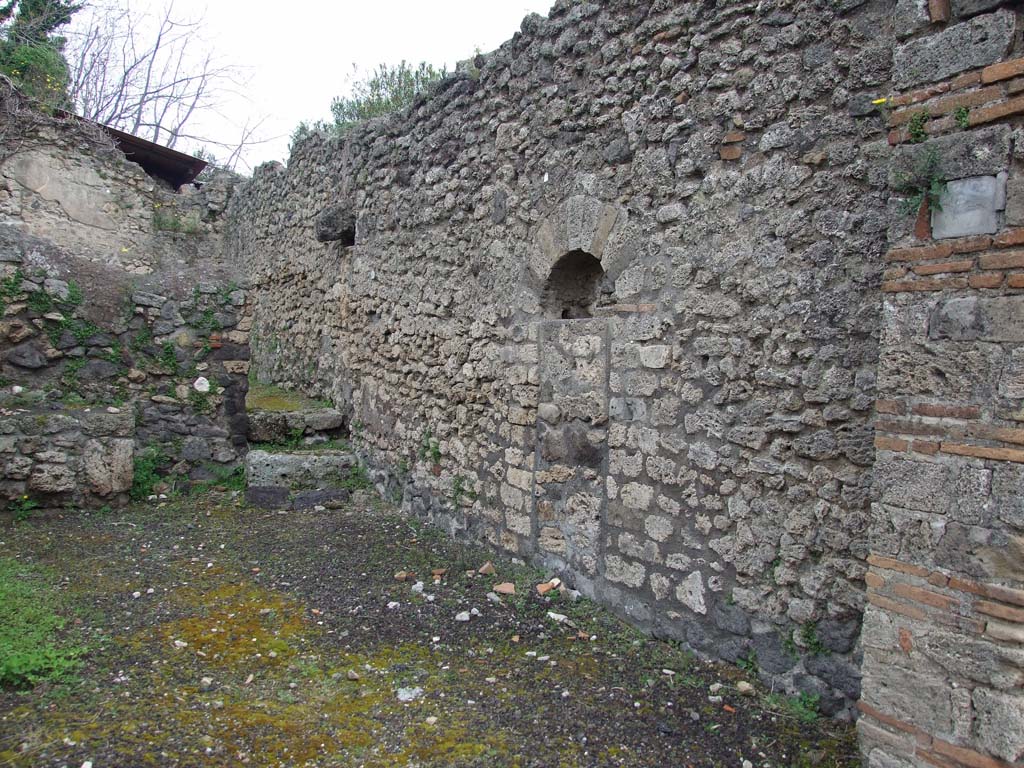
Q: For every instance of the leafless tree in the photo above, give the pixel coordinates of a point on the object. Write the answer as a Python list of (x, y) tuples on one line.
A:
[(151, 75)]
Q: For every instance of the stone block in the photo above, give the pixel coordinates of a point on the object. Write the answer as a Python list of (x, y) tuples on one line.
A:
[(691, 593), (959, 491), (1015, 199), (910, 16), (906, 694), (26, 355), (108, 465), (977, 660), (981, 152), (999, 319), (970, 207), (331, 498), (623, 571), (1008, 493), (999, 720), (267, 497), (52, 478), (976, 43), (324, 420), (308, 471), (964, 8)]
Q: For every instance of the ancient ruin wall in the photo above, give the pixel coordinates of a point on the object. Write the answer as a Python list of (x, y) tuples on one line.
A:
[(115, 299), (943, 634), (613, 305)]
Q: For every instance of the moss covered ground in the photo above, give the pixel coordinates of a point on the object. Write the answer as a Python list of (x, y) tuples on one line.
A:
[(219, 635)]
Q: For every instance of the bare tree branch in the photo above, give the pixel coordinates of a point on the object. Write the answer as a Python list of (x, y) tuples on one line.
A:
[(148, 74)]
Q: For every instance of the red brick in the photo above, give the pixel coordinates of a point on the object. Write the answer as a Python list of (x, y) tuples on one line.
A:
[(921, 253), (924, 596), (925, 446), (734, 137), (942, 411), (911, 428), (894, 722), (989, 432), (873, 580), (1004, 612), (968, 757), (990, 280), (731, 152), (922, 95), (911, 286), (984, 452), (1006, 260), (889, 564), (890, 406), (994, 591), (1015, 281), (949, 104), (938, 10), (971, 244), (1010, 237), (884, 443), (1014, 106), (1002, 71), (946, 266), (965, 81)]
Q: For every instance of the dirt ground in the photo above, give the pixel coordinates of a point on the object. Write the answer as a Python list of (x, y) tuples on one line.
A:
[(221, 635)]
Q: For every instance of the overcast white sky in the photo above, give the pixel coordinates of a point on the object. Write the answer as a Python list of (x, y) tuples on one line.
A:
[(299, 53)]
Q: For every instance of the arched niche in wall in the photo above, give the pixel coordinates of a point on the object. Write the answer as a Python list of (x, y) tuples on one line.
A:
[(575, 255), (572, 287)]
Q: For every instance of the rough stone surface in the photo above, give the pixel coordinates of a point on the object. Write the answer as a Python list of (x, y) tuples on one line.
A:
[(298, 470), (657, 398), (975, 43)]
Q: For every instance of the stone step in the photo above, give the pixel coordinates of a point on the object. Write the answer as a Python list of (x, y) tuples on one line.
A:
[(288, 426), (301, 479), (299, 470)]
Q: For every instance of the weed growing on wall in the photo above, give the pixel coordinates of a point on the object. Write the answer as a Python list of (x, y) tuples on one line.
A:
[(922, 184), (145, 471), (962, 116), (916, 127)]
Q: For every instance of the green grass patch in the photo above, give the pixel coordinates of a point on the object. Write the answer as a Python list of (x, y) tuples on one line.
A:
[(32, 646), (266, 397)]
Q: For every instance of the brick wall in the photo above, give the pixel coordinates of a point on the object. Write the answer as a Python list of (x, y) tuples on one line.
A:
[(944, 625)]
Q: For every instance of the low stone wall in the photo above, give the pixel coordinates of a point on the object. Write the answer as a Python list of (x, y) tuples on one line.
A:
[(71, 457)]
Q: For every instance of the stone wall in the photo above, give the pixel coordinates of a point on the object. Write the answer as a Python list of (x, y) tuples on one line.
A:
[(944, 626), (608, 299), (115, 298)]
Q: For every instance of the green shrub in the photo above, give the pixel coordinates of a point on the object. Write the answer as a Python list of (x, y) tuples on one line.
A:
[(146, 471), (31, 647), (39, 70), (388, 89)]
